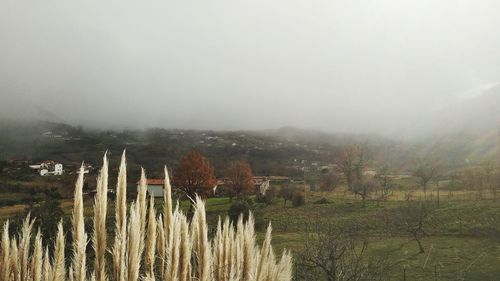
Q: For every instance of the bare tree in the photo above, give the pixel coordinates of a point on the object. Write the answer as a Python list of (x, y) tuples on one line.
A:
[(345, 163), (384, 181), (351, 161), (363, 188), (340, 256), (426, 171), (416, 218), (362, 156), (329, 181), (474, 178), (454, 177), (286, 193)]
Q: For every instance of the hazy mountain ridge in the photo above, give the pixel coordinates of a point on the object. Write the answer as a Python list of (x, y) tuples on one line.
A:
[(42, 139), (479, 115)]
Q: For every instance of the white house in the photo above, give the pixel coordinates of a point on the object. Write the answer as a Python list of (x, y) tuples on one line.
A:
[(154, 187), (48, 168)]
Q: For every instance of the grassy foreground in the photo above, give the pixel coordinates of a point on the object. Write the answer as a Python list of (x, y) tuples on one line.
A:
[(462, 241), (147, 244)]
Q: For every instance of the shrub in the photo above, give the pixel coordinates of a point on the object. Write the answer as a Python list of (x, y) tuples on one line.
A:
[(286, 193), (298, 199), (269, 196), (323, 200), (47, 214), (225, 191), (239, 207), (329, 181)]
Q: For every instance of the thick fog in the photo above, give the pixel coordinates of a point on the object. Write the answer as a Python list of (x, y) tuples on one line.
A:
[(350, 65)]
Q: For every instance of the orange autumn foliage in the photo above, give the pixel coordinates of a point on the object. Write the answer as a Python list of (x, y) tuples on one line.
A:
[(241, 178), (194, 175)]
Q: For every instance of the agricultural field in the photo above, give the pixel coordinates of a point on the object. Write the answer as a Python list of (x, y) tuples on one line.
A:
[(461, 239)]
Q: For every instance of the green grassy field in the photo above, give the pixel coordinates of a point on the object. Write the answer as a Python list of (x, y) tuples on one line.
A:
[(462, 241)]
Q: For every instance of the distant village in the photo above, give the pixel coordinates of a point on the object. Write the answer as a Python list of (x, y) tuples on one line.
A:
[(275, 161), (51, 168), (155, 186)]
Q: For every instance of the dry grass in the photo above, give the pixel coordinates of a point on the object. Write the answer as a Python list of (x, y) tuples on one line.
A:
[(146, 246)]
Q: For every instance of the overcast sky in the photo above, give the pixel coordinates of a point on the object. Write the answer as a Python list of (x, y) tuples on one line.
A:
[(350, 65)]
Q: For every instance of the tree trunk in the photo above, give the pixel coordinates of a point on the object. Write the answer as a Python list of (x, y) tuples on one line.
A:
[(420, 246)]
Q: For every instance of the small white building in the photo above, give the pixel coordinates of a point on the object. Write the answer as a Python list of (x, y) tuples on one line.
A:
[(154, 187), (48, 168)]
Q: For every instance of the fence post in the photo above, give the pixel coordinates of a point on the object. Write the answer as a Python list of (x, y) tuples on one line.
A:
[(438, 195), (435, 273)]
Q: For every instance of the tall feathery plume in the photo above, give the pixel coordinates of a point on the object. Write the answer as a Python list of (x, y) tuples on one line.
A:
[(184, 249), (233, 256), (37, 259), (79, 235), (227, 244), (240, 237), (58, 265), (248, 248), (14, 259), (172, 268), (141, 199), (142, 208), (203, 247), (149, 257), (193, 234), (167, 217), (71, 274), (121, 194), (24, 248), (47, 269), (167, 203), (257, 260), (284, 268), (134, 249), (100, 213), (161, 247), (271, 265), (222, 252), (218, 254), (5, 258), (119, 247), (262, 269), (167, 198)]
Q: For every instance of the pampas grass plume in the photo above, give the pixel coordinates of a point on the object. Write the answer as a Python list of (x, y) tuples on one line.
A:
[(146, 246)]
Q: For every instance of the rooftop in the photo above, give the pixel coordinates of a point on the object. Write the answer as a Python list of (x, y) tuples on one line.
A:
[(153, 181)]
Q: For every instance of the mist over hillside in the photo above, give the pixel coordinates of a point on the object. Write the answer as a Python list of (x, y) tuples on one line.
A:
[(479, 114), (270, 151)]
